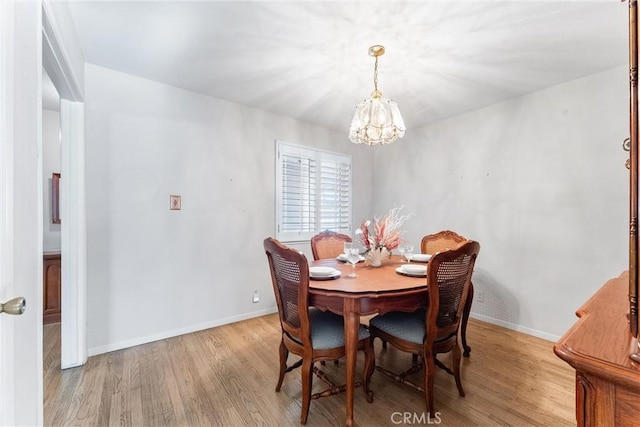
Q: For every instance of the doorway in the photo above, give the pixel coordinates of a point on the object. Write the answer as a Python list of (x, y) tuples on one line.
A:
[(51, 226), (56, 63)]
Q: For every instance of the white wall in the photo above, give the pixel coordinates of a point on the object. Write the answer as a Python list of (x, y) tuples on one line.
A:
[(50, 164), (153, 272), (539, 181)]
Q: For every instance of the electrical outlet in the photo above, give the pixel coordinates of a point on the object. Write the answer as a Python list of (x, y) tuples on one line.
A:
[(256, 296), (480, 296)]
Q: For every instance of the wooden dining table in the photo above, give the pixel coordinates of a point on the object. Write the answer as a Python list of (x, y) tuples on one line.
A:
[(374, 290)]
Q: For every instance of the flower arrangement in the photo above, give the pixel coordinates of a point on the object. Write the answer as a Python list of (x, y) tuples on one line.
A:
[(386, 231)]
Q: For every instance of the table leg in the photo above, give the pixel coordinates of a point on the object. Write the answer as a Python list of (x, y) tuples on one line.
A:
[(465, 320), (351, 314)]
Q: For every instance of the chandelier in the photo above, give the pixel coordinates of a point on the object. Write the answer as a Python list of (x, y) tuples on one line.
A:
[(377, 120)]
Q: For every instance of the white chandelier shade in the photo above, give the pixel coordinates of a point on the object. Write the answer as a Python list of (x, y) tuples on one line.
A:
[(376, 121)]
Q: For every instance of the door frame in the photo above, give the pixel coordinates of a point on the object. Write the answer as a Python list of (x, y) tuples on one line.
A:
[(56, 62)]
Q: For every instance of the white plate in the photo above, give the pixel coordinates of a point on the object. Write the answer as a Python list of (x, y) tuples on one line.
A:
[(343, 257), (409, 273), (334, 275), (420, 257), (319, 271)]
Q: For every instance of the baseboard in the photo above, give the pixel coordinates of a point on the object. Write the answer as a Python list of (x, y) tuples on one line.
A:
[(219, 322), (177, 332), (515, 327)]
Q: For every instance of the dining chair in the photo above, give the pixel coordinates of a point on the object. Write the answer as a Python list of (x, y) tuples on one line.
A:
[(441, 241), (309, 333), (328, 244), (434, 329)]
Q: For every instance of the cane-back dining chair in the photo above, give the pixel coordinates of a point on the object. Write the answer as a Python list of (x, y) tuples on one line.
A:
[(309, 333), (442, 241), (434, 329), (328, 244)]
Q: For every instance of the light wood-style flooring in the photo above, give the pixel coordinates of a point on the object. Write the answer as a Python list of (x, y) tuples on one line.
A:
[(226, 376)]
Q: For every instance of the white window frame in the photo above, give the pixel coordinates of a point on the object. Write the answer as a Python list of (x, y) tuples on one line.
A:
[(319, 156)]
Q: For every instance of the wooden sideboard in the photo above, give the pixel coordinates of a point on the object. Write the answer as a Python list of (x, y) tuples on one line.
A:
[(51, 291), (597, 347)]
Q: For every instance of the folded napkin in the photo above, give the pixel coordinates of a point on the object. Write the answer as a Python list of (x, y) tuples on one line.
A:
[(420, 257), (321, 271), (414, 268)]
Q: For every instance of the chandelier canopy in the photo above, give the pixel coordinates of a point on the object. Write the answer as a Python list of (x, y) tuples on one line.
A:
[(377, 120)]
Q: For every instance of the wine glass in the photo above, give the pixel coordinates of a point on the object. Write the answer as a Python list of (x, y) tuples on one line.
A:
[(346, 247), (401, 249), (353, 256), (408, 252)]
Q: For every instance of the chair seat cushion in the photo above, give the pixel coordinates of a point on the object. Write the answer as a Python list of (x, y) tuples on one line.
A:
[(406, 326), (327, 330)]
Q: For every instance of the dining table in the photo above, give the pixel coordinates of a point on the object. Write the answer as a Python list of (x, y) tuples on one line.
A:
[(375, 290)]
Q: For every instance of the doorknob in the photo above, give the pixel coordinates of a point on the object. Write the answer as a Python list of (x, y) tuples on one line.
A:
[(15, 306)]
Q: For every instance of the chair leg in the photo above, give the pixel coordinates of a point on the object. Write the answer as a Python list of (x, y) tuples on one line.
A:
[(284, 353), (307, 382), (465, 320), (369, 365), (455, 356), (429, 376)]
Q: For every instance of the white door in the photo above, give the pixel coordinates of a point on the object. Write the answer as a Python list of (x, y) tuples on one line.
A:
[(21, 212)]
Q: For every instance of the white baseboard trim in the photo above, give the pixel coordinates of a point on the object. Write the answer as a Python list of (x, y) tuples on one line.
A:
[(93, 351), (515, 327), (177, 332)]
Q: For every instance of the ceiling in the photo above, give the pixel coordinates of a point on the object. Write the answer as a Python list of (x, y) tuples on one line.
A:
[(308, 59)]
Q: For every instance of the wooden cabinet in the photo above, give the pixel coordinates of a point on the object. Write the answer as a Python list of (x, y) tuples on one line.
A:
[(603, 345), (597, 347), (52, 297)]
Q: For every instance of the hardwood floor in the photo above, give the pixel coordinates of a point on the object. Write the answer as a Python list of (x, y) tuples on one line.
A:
[(226, 376)]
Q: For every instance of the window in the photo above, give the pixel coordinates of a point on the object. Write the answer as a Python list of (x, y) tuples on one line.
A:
[(313, 192)]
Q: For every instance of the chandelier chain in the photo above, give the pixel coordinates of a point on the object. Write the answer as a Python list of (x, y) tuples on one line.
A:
[(375, 75)]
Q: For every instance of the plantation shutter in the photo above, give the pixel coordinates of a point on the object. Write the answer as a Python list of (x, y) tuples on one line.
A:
[(298, 191), (335, 191), (313, 192)]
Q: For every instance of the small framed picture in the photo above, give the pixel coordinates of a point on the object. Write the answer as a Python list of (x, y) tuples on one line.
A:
[(174, 203), (55, 198)]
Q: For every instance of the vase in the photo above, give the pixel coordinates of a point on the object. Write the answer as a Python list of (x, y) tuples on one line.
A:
[(376, 256)]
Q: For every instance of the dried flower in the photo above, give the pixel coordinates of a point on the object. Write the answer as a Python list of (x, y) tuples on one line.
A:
[(386, 231)]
